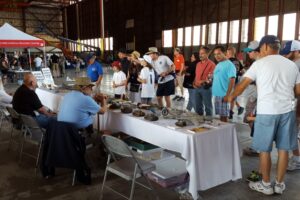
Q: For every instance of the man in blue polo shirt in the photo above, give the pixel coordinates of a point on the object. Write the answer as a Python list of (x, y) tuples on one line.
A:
[(94, 72), (79, 107)]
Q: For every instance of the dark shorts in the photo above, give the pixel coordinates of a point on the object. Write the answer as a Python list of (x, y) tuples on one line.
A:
[(166, 89)]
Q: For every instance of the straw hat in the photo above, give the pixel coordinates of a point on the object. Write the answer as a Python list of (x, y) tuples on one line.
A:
[(135, 54), (82, 81), (152, 50)]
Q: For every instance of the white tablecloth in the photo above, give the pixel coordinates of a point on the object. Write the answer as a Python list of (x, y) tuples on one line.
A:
[(212, 157), (49, 99)]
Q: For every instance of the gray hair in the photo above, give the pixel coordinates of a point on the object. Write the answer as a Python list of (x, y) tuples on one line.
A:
[(275, 46)]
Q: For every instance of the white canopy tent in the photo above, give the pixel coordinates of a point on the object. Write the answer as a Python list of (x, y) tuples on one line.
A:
[(11, 37)]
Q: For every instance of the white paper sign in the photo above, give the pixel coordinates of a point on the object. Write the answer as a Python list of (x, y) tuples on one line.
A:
[(48, 76), (39, 77)]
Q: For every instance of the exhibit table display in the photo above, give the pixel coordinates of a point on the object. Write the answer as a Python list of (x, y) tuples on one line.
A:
[(211, 150)]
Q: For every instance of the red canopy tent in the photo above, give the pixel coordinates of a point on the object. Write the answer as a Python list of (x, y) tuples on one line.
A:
[(10, 37)]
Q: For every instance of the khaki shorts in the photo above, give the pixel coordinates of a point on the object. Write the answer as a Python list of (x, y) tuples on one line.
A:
[(179, 80)]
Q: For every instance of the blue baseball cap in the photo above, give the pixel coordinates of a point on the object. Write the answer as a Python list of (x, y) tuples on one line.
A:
[(289, 47), (268, 39), (253, 45)]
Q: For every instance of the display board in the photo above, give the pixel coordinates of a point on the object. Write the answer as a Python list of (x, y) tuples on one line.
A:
[(39, 77)]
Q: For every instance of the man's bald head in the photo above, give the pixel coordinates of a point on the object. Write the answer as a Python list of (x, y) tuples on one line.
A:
[(30, 81)]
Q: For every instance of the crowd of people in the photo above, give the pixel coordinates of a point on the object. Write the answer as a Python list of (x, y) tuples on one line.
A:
[(272, 82)]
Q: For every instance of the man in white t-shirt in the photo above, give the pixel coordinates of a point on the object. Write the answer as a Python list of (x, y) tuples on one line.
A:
[(165, 69), (277, 80), (37, 63)]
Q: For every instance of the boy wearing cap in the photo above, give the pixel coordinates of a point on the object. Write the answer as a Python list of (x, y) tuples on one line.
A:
[(78, 106), (165, 69), (292, 52), (276, 116)]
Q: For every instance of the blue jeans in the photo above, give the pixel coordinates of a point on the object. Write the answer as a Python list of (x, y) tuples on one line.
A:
[(44, 120), (191, 102), (203, 98)]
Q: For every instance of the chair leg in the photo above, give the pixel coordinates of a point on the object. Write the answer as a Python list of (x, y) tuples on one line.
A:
[(74, 177), (105, 176), (21, 148), (155, 195), (133, 183), (1, 121), (11, 136), (39, 154)]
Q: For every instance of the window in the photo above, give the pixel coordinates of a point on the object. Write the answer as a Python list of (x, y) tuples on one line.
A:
[(223, 26), (203, 35), (289, 25), (111, 42), (259, 29), (212, 33), (100, 43), (188, 36), (167, 35), (106, 44), (244, 34), (180, 37), (196, 35), (273, 25), (234, 32)]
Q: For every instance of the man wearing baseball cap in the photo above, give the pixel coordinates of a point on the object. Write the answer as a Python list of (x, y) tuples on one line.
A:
[(165, 69), (291, 51), (252, 50), (277, 80)]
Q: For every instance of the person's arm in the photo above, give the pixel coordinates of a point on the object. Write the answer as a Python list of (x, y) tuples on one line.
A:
[(171, 67), (100, 74), (230, 87), (297, 90), (100, 98), (45, 111), (103, 108), (98, 82), (238, 89)]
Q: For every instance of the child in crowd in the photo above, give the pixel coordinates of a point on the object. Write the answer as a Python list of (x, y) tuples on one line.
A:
[(147, 78), (119, 80)]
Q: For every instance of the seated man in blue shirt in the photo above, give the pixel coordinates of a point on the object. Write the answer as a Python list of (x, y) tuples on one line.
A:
[(94, 71), (79, 107)]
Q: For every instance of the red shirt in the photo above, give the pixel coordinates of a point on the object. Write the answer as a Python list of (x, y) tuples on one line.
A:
[(178, 61), (203, 69)]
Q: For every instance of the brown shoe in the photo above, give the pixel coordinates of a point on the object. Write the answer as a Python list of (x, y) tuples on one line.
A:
[(250, 152)]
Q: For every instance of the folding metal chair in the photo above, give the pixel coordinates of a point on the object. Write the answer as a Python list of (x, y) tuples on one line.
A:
[(3, 115), (125, 165), (15, 120), (33, 134)]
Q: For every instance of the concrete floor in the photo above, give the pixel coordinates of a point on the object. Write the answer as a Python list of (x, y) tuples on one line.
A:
[(18, 180)]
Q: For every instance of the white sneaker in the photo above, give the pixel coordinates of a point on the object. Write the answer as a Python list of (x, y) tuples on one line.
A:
[(279, 188), (293, 165), (260, 187)]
